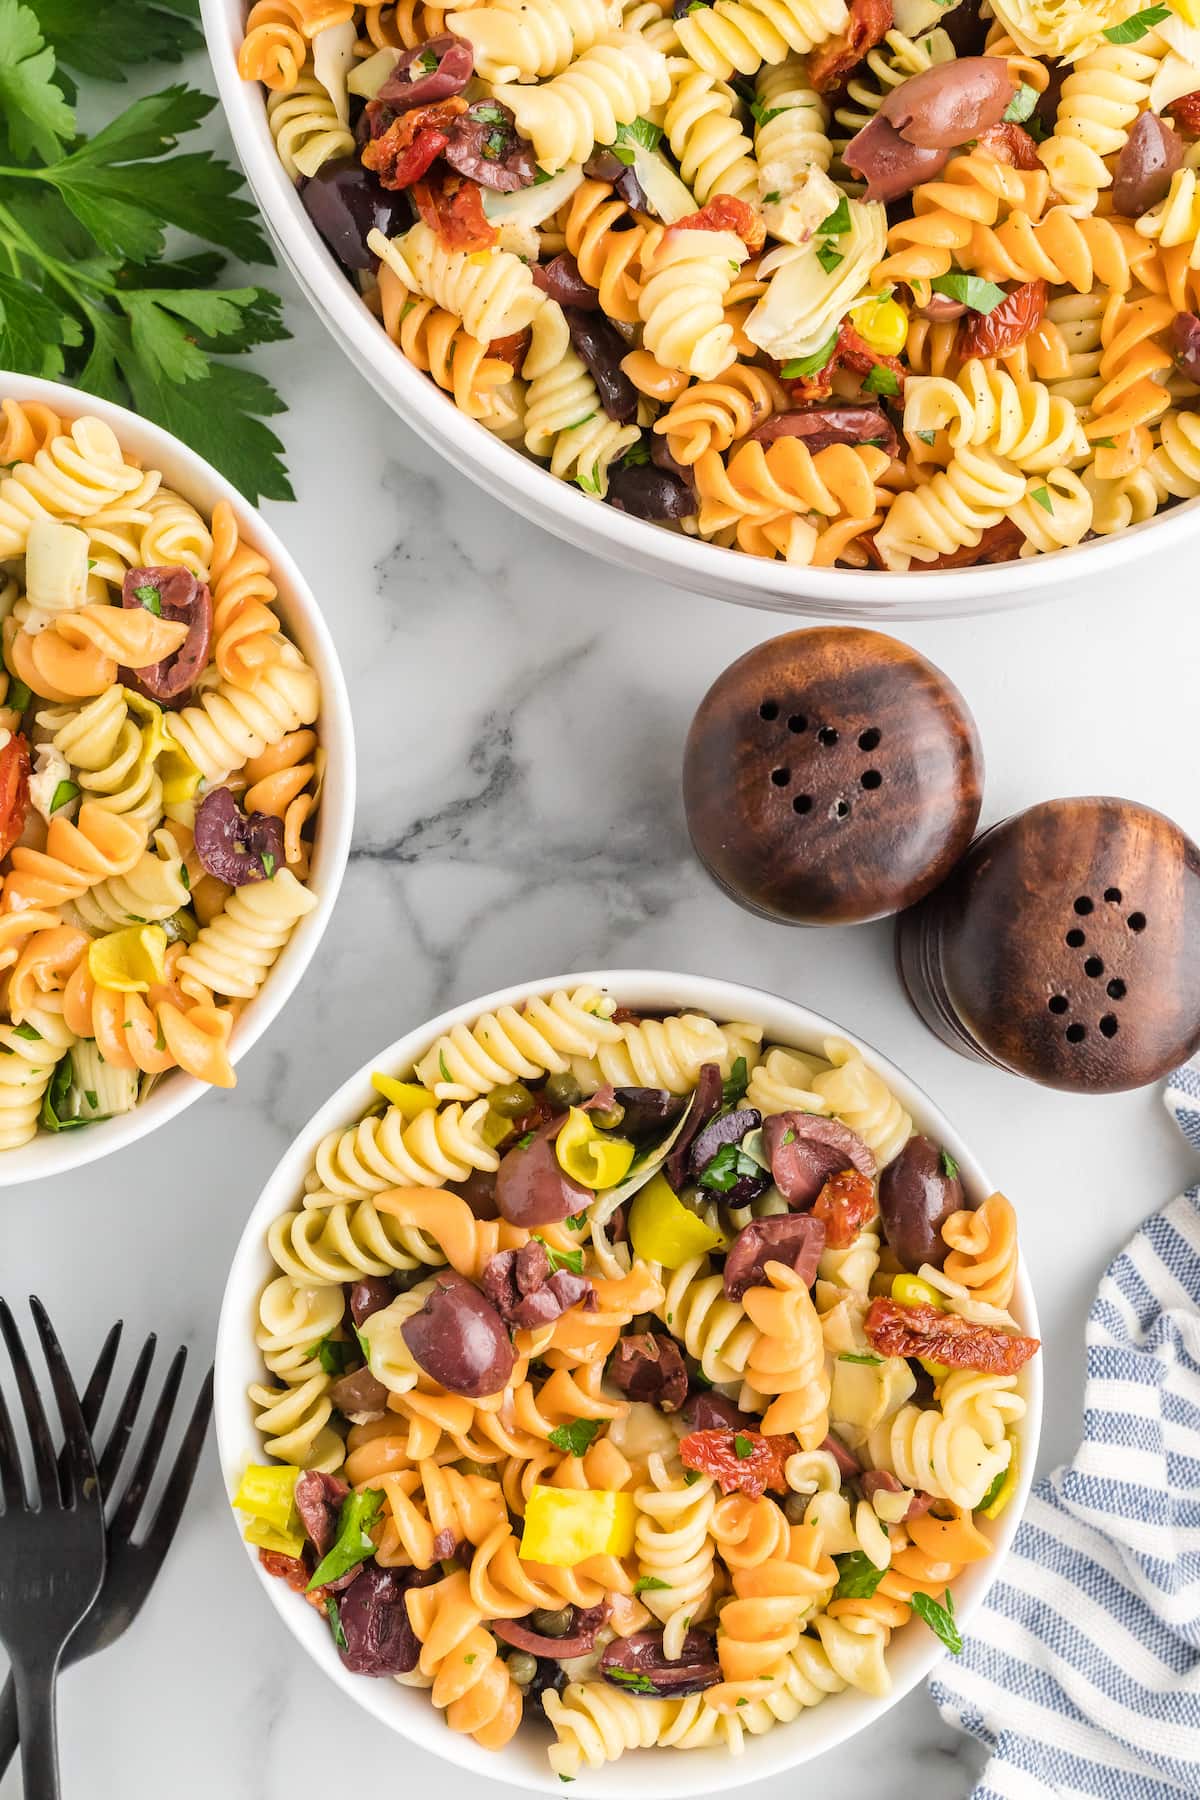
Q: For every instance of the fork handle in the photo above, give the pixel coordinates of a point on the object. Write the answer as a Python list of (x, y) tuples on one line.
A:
[(36, 1717)]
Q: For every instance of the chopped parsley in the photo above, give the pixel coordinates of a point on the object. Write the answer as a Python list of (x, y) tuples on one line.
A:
[(1105, 444), (647, 1584), (1043, 497), (642, 132), (743, 1447), (1021, 105), (857, 1577), (18, 697), (523, 1143), (332, 1353), (939, 1616), (853, 1356), (587, 479), (575, 1438), (739, 1080), (690, 1477), (636, 455), (789, 1137), (949, 1166), (352, 1544), (1128, 32), (578, 1220), (829, 258), (490, 114), (970, 290), (810, 365), (632, 1679), (494, 146), (882, 380), (773, 198), (763, 115), (562, 1259), (927, 437), (838, 222), (268, 863), (335, 1622), (727, 1168), (64, 793), (150, 598), (26, 1031)]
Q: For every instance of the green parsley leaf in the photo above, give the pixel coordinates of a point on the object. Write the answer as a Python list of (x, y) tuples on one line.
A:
[(443, 1071), (1128, 33), (562, 1259), (1043, 497), (854, 1356), (857, 1577), (972, 290), (690, 1477), (881, 380), (18, 696), (576, 1221), (649, 1584), (633, 1679), (838, 222), (927, 437), (335, 1621), (789, 1137), (726, 1168), (542, 176), (993, 1492), (809, 365), (268, 863), (637, 455), (470, 1657), (939, 1616), (364, 1344), (523, 1143), (762, 115), (56, 1097), (1104, 444), (64, 793), (28, 1032), (352, 1545), (742, 1446), (829, 258), (949, 1166), (739, 1080), (587, 479), (333, 1354), (773, 198), (574, 1439), (1021, 105), (640, 131), (150, 598), (35, 113), (106, 41), (490, 114), (92, 1098), (185, 877)]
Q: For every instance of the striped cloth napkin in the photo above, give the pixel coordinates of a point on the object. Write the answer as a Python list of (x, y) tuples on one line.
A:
[(1082, 1671)]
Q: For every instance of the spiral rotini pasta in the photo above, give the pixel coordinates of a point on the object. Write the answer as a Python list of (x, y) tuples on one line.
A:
[(674, 1550), (682, 300), (607, 86), (528, 40)]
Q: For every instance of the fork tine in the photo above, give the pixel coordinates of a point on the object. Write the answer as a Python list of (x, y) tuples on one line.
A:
[(135, 1493), (174, 1497), (78, 1463), (44, 1467), (12, 1482), (97, 1387), (117, 1442)]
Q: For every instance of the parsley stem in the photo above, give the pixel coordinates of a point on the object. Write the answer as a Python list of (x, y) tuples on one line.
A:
[(68, 277)]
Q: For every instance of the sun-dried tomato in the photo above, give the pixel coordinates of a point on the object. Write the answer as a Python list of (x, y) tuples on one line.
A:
[(1186, 112), (624, 1015), (1007, 325), (850, 352), (844, 1205), (742, 1462), (14, 791), (869, 23), (288, 1568), (453, 208), (401, 154), (1010, 143), (511, 349), (896, 1330), (725, 213)]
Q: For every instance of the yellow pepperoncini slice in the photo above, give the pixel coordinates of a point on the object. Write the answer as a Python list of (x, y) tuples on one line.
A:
[(588, 1156), (267, 1492), (882, 324), (179, 775), (564, 1526), (1008, 1486), (663, 1230), (129, 961), (910, 1290), (409, 1097)]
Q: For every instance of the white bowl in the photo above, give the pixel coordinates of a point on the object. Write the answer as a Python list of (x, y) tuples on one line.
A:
[(55, 1153), (675, 1775)]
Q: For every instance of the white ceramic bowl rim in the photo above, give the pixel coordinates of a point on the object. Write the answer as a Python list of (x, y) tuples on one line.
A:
[(913, 1652), (55, 1154)]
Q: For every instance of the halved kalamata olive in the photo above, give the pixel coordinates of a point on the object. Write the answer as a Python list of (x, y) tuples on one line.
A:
[(888, 163), (370, 1294), (806, 1149), (479, 1192), (946, 105), (660, 456), (484, 145), (459, 1339), (551, 1678), (234, 846), (318, 1501), (964, 27), (648, 1366), (848, 1464), (602, 348), (1050, 98), (649, 1113), (604, 165), (706, 1103), (560, 278), (526, 1292), (941, 309), (374, 1618), (821, 426), (359, 1397), (705, 1411), (796, 1239), (434, 70), (578, 1640), (646, 493), (1185, 344), (916, 1197), (1148, 158), (630, 1663), (346, 203), (531, 1188), (728, 1128), (171, 592), (882, 1481)]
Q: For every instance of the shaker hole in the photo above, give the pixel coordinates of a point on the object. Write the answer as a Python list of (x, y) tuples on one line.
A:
[(781, 777), (1136, 921), (1110, 1025), (1113, 896), (802, 803), (1075, 938), (797, 723), (1058, 1003), (768, 710), (1075, 1034), (1083, 905), (841, 809), (827, 736), (1115, 990), (1093, 967), (870, 738), (871, 778)]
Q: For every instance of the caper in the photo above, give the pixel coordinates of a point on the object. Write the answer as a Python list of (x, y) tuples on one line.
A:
[(469, 1466), (563, 1091), (553, 1624), (181, 928), (522, 1667), (795, 1507), (607, 1118), (495, 1129), (511, 1101)]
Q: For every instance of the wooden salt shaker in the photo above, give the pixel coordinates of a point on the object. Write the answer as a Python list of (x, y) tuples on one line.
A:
[(1065, 947), (831, 776)]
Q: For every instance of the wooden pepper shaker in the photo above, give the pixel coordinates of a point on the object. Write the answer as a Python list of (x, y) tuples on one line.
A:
[(1065, 947), (831, 776)]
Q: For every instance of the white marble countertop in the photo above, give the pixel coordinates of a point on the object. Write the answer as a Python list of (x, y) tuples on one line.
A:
[(521, 712)]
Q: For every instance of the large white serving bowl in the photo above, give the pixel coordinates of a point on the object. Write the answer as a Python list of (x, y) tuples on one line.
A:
[(676, 1775), (56, 1153)]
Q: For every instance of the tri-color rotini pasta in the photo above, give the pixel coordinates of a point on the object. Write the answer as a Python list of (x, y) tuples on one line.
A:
[(893, 284), (629, 1375), (159, 775)]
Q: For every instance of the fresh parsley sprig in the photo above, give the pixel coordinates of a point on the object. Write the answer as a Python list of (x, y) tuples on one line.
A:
[(89, 290)]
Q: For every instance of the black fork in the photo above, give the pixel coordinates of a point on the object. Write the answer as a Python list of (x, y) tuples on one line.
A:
[(132, 1567), (51, 1544)]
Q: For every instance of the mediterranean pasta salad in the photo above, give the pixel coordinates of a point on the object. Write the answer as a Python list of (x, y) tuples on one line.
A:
[(633, 1378), (159, 774), (899, 284)]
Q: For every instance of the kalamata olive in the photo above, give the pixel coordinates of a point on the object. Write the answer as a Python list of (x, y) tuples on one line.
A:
[(1148, 158), (647, 493), (1185, 344), (795, 1239), (916, 1197), (171, 592), (660, 456), (1046, 110), (479, 1192), (941, 309), (727, 1128), (563, 1091), (821, 426), (485, 146), (560, 278), (602, 349), (603, 165), (848, 1464), (370, 1294), (551, 1677), (359, 1397), (374, 1618), (526, 1292), (965, 28), (695, 1668), (882, 1481), (806, 1149), (888, 163), (512, 1101), (570, 1631), (532, 1190), (706, 1103), (237, 847), (434, 70), (318, 1500), (459, 1339), (705, 1411), (648, 1366), (346, 203), (946, 105)]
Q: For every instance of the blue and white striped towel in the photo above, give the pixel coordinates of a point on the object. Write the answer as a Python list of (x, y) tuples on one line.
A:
[(1082, 1672)]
